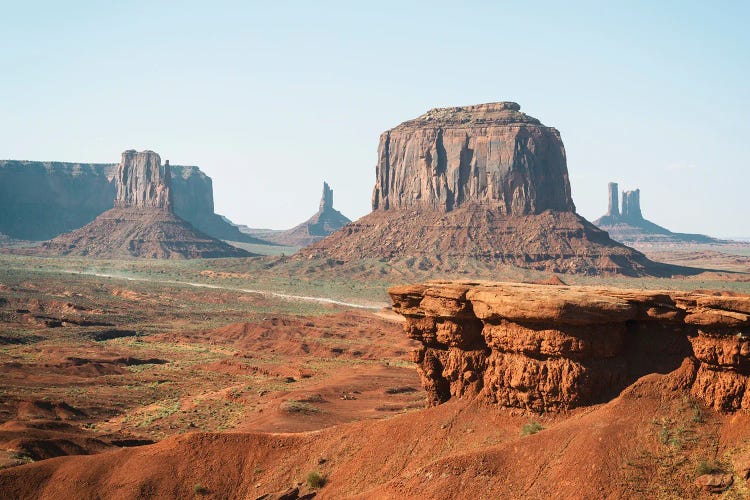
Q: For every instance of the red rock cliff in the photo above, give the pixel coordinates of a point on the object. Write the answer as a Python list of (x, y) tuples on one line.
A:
[(488, 153), (545, 347)]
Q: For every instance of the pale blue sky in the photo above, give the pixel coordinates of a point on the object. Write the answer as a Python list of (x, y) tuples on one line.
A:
[(271, 98)]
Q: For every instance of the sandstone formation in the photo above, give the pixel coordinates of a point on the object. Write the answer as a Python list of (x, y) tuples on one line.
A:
[(489, 153), (41, 200), (142, 181), (481, 185), (630, 227), (142, 223), (326, 221), (546, 347)]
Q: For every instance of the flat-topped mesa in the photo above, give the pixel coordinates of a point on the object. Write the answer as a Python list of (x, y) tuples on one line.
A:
[(490, 154), (142, 181), (546, 347)]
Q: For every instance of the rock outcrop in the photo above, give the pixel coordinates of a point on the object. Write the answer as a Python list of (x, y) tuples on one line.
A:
[(326, 221), (478, 187), (489, 153), (142, 181), (630, 227), (142, 223), (41, 200), (546, 347)]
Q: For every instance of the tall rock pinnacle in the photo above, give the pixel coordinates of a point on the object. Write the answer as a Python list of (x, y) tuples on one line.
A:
[(488, 154), (142, 181), (614, 204), (631, 205), (326, 202)]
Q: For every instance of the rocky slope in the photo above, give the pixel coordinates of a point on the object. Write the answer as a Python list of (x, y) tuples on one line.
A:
[(41, 200), (630, 227), (142, 224), (547, 347), (326, 221), (486, 183)]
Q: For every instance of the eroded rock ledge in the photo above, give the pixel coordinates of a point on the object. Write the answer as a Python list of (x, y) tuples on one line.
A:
[(544, 347)]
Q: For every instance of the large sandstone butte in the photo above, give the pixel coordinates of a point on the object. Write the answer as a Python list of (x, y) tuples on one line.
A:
[(549, 347), (326, 221), (487, 183), (630, 227), (490, 153), (142, 223)]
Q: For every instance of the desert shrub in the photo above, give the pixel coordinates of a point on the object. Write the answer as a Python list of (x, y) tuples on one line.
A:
[(199, 489), (293, 406), (531, 428), (706, 467), (315, 480)]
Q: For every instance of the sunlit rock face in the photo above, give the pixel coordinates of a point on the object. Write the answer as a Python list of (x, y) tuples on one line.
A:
[(547, 348), (490, 154)]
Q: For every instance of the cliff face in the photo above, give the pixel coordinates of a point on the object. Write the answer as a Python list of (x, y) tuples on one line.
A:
[(142, 181), (543, 347), (41, 200), (489, 153)]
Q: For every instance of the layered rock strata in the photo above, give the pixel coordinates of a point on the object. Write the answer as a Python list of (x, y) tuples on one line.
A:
[(142, 223), (546, 347)]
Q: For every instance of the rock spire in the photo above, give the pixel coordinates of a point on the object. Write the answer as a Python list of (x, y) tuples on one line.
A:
[(326, 201), (631, 205), (614, 209)]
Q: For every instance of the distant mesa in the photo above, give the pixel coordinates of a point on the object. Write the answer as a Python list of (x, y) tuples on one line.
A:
[(486, 184), (41, 200), (326, 221), (142, 222), (630, 227)]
